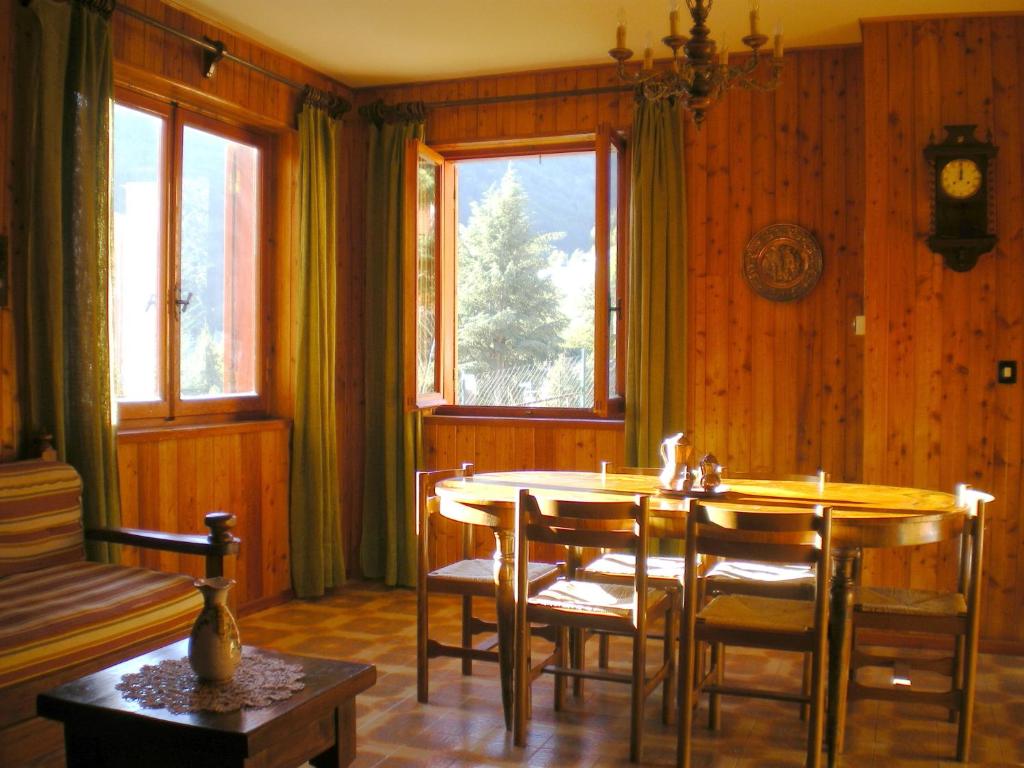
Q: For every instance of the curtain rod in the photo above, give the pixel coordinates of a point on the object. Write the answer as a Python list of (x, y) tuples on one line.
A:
[(482, 100), (217, 49)]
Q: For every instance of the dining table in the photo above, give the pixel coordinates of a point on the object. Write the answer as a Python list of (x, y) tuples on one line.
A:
[(863, 516)]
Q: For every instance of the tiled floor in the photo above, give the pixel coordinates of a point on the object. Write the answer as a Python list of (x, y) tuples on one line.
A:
[(463, 726)]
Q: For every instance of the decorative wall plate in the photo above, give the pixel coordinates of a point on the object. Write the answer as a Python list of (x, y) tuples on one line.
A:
[(782, 262)]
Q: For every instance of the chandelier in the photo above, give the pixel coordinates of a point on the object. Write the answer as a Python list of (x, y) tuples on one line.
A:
[(703, 74)]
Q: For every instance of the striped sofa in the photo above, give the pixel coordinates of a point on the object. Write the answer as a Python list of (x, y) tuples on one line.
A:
[(62, 616)]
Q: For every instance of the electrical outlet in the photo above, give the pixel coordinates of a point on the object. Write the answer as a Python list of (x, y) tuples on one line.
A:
[(858, 325), (1007, 373)]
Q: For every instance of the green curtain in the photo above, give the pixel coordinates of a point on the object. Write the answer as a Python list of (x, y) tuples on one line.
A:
[(317, 555), (656, 345), (388, 546), (64, 64)]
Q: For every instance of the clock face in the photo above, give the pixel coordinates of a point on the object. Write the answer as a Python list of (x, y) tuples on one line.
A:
[(960, 178)]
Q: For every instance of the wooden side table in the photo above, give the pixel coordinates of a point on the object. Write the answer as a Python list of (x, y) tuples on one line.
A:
[(317, 724)]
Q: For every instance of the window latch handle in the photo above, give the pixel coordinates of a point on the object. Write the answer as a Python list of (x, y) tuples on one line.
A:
[(183, 303)]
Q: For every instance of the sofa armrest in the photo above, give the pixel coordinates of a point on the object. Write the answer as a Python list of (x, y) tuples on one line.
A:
[(215, 547)]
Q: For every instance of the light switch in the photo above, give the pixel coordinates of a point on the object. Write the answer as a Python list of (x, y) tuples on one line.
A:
[(858, 325), (1007, 372)]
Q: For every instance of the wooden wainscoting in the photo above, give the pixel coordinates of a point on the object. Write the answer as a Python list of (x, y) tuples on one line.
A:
[(494, 445), (170, 478)]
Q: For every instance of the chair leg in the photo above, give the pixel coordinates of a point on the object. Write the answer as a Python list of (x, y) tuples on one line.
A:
[(578, 651), (805, 686), (816, 727), (957, 672), (686, 693), (561, 659), (522, 679), (637, 690), (602, 650), (718, 677), (970, 666), (467, 632), (669, 660), (422, 673)]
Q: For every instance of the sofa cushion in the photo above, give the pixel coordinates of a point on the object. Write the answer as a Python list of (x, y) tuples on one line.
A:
[(40, 516), (57, 617)]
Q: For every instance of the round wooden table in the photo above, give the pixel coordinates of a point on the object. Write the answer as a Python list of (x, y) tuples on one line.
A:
[(862, 516)]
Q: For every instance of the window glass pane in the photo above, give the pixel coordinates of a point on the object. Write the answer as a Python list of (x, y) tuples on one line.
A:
[(426, 276), (613, 252), (218, 270), (137, 305), (525, 281)]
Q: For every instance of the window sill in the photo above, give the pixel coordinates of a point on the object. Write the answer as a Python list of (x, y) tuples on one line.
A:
[(538, 422), (148, 434)]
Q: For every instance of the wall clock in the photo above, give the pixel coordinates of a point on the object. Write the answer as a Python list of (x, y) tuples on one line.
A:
[(961, 197)]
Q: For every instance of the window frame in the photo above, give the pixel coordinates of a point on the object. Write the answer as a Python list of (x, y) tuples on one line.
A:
[(170, 407), (605, 405)]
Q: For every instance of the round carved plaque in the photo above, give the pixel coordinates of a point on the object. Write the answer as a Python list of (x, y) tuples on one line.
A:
[(782, 262)]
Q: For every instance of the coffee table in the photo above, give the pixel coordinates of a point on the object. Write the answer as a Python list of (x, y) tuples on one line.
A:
[(317, 724)]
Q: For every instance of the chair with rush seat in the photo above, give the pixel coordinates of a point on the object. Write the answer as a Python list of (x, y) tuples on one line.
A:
[(773, 534), (572, 604), (924, 614), (467, 577)]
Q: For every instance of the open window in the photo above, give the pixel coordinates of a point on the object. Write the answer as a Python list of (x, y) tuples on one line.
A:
[(513, 277)]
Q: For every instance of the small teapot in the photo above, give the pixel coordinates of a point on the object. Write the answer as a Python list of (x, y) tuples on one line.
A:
[(675, 457)]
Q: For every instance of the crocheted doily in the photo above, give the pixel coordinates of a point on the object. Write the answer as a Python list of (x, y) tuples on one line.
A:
[(259, 681)]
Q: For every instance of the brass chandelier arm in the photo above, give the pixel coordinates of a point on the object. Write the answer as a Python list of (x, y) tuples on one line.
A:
[(701, 73)]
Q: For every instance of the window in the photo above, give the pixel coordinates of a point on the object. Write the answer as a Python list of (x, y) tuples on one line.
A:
[(514, 262), (187, 196)]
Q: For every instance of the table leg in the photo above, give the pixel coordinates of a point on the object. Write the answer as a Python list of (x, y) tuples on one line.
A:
[(343, 751), (504, 579), (844, 565)]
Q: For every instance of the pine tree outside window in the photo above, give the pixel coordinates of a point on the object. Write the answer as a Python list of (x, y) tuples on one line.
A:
[(507, 252)]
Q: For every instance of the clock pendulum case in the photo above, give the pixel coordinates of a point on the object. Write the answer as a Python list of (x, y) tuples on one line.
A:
[(961, 196)]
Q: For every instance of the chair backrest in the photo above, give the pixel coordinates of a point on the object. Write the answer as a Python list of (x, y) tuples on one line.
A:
[(607, 524), (971, 546), (756, 532), (40, 516), (427, 505)]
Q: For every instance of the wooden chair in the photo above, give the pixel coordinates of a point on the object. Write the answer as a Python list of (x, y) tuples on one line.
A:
[(467, 577), (663, 572), (772, 534), (570, 603), (793, 581), (914, 613)]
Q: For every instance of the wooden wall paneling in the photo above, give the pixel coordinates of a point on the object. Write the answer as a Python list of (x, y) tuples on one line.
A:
[(834, 322), (876, 251), (854, 264), (810, 312), (1004, 532), (128, 477), (718, 261), (739, 332), (566, 108), (760, 429), (787, 346), (939, 418), (9, 424), (928, 405), (903, 156), (486, 114), (928, 280), (695, 160)]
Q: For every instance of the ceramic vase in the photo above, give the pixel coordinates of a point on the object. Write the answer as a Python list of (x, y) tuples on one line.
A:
[(214, 647)]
